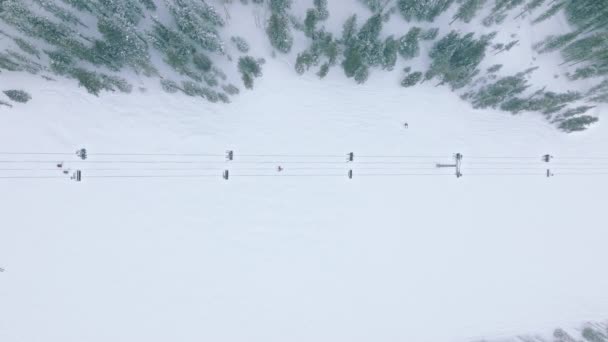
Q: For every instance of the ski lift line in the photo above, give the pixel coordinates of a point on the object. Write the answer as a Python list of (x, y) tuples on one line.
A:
[(395, 156), (266, 175), (158, 155), (290, 155), (152, 176), (296, 169), (302, 155), (540, 174), (278, 162), (536, 168), (33, 177), (36, 154), (539, 163), (499, 157), (401, 174), (223, 168), (580, 173)]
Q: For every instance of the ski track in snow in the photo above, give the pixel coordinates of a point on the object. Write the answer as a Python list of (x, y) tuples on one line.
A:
[(298, 259)]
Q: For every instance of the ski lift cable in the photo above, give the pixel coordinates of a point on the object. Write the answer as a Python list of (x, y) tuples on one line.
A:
[(287, 169), (537, 163), (346, 167), (211, 176), (300, 155), (36, 154), (264, 175), (33, 177), (278, 162), (535, 168)]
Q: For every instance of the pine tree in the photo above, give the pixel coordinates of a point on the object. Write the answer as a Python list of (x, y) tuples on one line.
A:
[(65, 15), (550, 12), (240, 43), (498, 92), (591, 48), (324, 70), (577, 124), (231, 89), (349, 30), (280, 6), (375, 5), (250, 69), (467, 11), (122, 45), (321, 8), (169, 86), (531, 6), (279, 33), (149, 4), (174, 45), (27, 47), (494, 68), (429, 34), (389, 54), (455, 58), (408, 44), (423, 10), (310, 22), (199, 21), (363, 48), (18, 95), (553, 43), (575, 111), (303, 62), (411, 79)]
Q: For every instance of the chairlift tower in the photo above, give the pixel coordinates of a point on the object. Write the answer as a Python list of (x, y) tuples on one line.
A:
[(547, 159), (457, 165)]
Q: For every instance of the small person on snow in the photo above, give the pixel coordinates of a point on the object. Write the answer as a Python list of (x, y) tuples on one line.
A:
[(280, 168), (406, 125)]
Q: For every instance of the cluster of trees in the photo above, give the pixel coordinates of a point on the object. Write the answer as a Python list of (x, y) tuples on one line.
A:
[(323, 49), (250, 68), (422, 10), (455, 58), (362, 47), (507, 93), (185, 39), (188, 40), (411, 78), (467, 10), (17, 96), (585, 49), (278, 26)]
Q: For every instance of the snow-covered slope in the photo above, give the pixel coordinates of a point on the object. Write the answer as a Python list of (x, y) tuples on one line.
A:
[(293, 258), (161, 248)]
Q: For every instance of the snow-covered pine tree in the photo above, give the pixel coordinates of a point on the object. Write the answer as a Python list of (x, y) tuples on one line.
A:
[(389, 54), (411, 79), (422, 10), (250, 68), (455, 58), (199, 21), (467, 10), (408, 44)]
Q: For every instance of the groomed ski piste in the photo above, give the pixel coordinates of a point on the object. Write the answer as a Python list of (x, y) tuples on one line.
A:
[(296, 255)]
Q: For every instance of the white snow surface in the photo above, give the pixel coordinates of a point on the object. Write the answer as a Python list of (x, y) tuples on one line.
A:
[(416, 258), (298, 259)]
